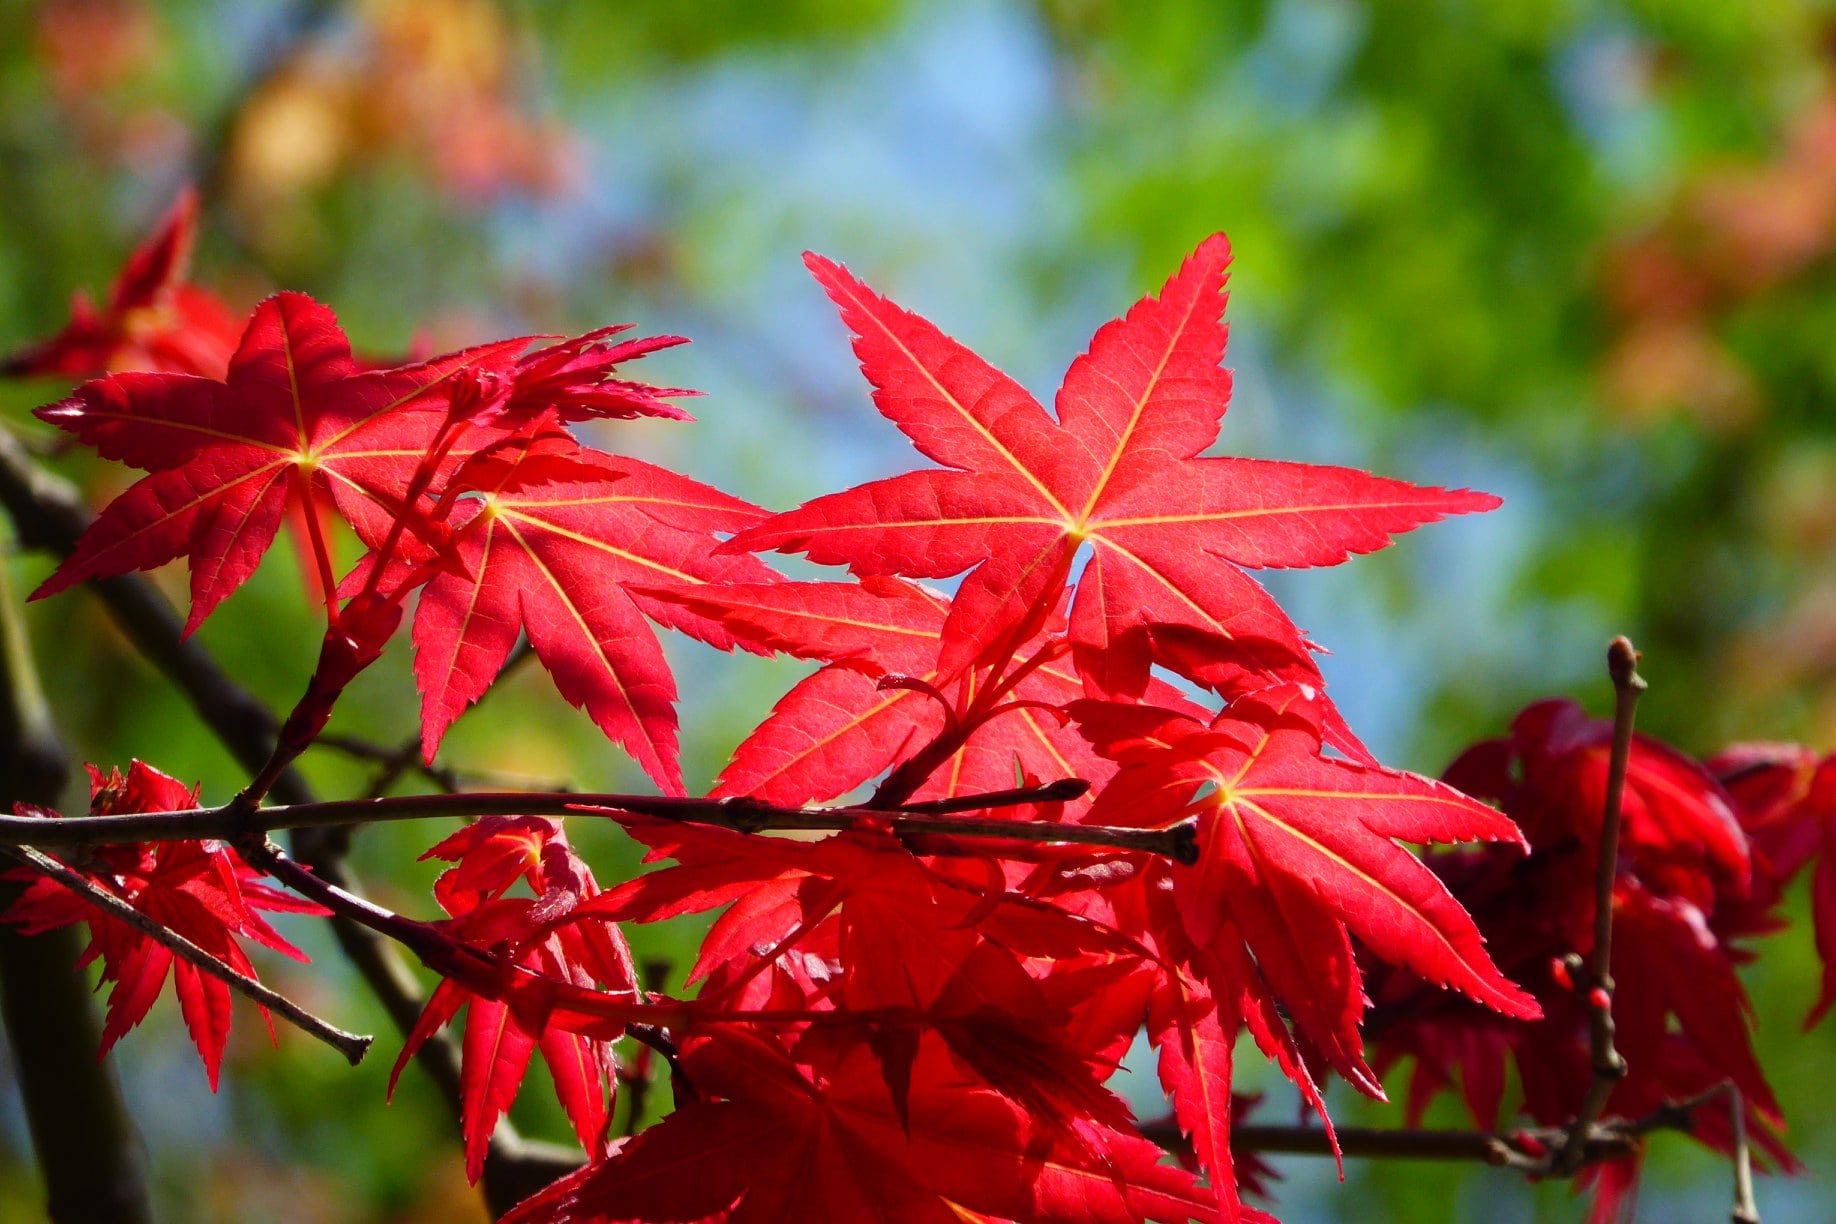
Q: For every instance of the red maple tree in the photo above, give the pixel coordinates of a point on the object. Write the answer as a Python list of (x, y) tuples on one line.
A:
[(1050, 850)]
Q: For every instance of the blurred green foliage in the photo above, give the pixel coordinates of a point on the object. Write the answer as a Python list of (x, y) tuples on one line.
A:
[(1576, 252)]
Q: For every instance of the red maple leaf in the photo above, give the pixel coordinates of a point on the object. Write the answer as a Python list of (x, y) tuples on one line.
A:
[(1118, 470), (154, 318), (1298, 851), (846, 724), (201, 890), (544, 537), (1676, 821), (293, 419), (491, 856), (576, 377), (876, 944), (884, 895), (1198, 1001), (1785, 796), (769, 1137)]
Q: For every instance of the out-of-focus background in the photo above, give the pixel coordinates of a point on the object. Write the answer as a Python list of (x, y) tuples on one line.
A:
[(1577, 253)]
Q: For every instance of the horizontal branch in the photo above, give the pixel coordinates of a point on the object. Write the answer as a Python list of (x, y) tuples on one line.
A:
[(1484, 1147), (352, 1045), (1527, 1150), (1178, 842)]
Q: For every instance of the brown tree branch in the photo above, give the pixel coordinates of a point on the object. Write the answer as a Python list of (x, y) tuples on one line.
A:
[(1608, 1065), (1178, 842), (1527, 1149)]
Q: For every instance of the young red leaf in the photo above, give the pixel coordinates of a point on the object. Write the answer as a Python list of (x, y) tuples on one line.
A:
[(1785, 796), (1676, 819), (491, 856), (575, 378), (1688, 884)]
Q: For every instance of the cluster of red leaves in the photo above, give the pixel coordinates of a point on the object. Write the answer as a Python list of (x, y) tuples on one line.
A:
[(533, 933), (456, 475), (905, 1026), (899, 985), (1706, 851), (202, 890)]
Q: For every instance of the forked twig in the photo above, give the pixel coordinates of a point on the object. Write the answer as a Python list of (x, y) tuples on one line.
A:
[(1609, 1066)]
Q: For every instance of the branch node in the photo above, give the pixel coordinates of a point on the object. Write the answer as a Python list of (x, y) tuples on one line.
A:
[(746, 814), (1183, 846), (1622, 665)]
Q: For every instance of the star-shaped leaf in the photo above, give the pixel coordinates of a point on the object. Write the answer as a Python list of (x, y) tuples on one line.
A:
[(1299, 852), (294, 416), (1118, 471), (545, 537)]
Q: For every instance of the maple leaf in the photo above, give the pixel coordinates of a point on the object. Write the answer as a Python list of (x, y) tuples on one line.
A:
[(1118, 470), (491, 856), (1298, 852), (294, 416), (910, 927), (545, 536), (201, 890), (1677, 822), (153, 319), (1194, 1033), (770, 1139), (905, 950), (842, 726), (1198, 1001)]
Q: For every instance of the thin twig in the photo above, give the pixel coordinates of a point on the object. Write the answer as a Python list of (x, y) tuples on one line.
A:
[(1485, 1147), (654, 1048), (1525, 1149), (1745, 1209), (392, 762), (1177, 842), (1609, 1066), (351, 1045)]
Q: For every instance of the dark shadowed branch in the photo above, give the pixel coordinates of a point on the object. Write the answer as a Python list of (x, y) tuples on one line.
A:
[(86, 1142)]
